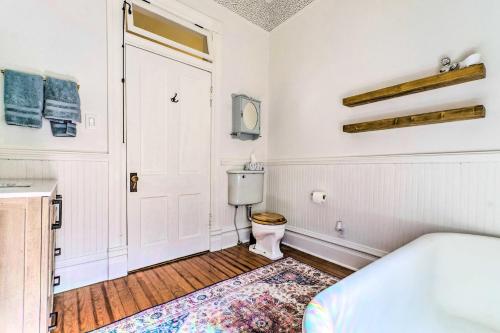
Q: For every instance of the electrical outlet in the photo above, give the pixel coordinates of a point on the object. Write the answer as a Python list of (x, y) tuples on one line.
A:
[(90, 121), (339, 227)]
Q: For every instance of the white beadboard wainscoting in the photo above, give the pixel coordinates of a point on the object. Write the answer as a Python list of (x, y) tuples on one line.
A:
[(383, 201), (82, 179)]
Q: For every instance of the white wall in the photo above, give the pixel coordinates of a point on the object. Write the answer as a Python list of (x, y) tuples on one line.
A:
[(54, 38), (333, 49), (83, 40)]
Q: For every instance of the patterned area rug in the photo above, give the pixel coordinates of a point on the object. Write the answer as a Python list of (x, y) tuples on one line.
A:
[(268, 299)]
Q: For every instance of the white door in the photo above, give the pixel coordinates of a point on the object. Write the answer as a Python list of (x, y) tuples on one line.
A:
[(168, 146)]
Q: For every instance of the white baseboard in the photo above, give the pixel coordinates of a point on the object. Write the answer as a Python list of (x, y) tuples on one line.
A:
[(117, 262), (229, 238), (80, 272), (77, 276), (215, 239), (339, 255), (338, 241)]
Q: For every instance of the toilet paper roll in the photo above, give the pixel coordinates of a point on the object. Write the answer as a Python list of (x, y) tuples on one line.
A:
[(318, 197)]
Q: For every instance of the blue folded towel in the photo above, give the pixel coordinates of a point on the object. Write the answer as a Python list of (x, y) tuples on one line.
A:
[(62, 106), (63, 128), (23, 99)]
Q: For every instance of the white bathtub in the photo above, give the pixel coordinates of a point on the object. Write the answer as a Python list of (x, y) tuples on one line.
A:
[(438, 283)]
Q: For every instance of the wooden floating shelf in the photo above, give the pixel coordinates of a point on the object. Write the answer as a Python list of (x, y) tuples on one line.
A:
[(467, 113), (474, 72)]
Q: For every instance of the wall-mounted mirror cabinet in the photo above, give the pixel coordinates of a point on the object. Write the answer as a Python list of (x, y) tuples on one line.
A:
[(246, 117)]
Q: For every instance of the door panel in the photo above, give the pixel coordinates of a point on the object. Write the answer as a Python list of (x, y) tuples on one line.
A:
[(168, 145), (154, 80), (154, 220), (190, 160)]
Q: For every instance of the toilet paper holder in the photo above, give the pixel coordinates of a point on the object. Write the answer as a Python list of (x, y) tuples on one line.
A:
[(318, 197)]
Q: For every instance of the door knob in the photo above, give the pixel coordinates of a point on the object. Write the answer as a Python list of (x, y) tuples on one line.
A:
[(133, 181)]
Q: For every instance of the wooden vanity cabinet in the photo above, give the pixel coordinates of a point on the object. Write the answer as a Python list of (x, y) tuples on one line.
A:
[(27, 242)]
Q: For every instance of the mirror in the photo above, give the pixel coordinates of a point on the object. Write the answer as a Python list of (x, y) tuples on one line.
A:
[(250, 116), (246, 117)]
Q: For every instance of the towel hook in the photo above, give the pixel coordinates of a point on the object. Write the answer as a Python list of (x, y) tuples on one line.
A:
[(174, 99)]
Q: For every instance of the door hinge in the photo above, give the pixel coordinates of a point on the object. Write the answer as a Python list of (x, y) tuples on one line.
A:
[(211, 95)]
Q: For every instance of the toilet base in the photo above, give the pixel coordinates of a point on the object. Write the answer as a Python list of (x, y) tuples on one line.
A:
[(266, 254)]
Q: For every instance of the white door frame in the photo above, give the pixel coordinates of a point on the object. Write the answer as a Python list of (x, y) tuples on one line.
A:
[(214, 26)]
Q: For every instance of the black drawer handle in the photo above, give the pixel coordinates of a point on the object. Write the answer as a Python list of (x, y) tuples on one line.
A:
[(57, 281), (57, 251), (54, 318), (58, 201)]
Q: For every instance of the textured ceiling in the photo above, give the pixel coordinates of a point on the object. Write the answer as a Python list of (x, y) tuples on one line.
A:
[(267, 14)]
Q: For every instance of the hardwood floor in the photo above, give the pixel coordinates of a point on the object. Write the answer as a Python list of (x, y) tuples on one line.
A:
[(93, 306)]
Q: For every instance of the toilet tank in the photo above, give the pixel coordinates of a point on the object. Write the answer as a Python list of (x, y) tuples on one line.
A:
[(245, 187)]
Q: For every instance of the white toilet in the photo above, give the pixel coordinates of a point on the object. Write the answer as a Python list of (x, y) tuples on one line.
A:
[(245, 189), (268, 229)]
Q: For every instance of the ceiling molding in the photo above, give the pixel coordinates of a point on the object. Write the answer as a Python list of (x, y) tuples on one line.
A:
[(268, 14)]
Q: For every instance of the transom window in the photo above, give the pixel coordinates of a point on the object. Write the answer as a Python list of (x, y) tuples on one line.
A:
[(169, 30)]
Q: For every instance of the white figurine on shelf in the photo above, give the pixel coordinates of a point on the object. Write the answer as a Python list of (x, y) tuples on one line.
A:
[(473, 59)]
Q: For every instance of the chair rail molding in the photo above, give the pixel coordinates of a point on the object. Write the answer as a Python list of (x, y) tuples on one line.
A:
[(434, 157), (51, 155)]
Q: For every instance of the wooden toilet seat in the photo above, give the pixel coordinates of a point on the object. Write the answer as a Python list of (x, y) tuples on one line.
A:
[(268, 218)]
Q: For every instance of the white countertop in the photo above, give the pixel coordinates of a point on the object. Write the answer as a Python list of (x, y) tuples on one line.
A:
[(22, 188)]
